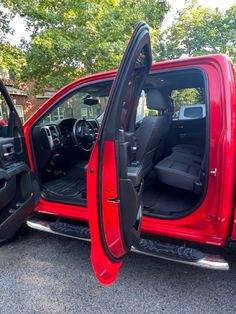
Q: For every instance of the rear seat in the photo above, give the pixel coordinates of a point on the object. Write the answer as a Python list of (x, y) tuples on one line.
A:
[(189, 149), (182, 168)]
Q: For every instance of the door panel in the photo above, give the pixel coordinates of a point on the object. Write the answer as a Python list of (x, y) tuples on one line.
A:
[(18, 188), (115, 221), (7, 182)]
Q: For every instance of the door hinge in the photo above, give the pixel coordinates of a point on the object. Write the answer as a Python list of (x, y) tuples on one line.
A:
[(213, 171)]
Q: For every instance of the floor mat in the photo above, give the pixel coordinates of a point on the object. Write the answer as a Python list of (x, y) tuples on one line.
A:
[(68, 185), (163, 199)]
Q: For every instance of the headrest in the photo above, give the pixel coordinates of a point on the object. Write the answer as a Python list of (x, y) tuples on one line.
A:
[(156, 100)]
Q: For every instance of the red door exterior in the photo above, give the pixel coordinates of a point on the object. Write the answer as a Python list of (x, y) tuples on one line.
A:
[(114, 223)]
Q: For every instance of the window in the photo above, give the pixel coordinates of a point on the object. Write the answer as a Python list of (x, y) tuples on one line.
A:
[(142, 110), (80, 105), (20, 111), (4, 111), (1, 114), (188, 103)]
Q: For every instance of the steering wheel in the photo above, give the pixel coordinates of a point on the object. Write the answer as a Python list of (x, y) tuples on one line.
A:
[(84, 134)]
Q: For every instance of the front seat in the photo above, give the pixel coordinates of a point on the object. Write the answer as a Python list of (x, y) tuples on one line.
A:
[(152, 132)]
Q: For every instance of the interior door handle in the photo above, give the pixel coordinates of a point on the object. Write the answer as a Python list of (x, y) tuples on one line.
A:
[(8, 154)]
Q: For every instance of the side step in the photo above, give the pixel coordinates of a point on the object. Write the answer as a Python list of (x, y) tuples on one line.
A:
[(180, 254), (167, 251), (60, 228)]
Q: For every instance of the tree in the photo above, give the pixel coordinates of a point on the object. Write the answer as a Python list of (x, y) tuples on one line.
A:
[(11, 58), (187, 96), (4, 25), (198, 30), (71, 38)]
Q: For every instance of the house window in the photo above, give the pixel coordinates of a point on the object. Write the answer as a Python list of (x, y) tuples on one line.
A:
[(1, 114), (4, 111), (20, 111)]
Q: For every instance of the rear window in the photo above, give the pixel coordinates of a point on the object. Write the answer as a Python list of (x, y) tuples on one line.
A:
[(194, 98)]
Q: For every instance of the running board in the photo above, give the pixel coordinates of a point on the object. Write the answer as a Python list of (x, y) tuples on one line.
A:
[(167, 251), (180, 254), (60, 228)]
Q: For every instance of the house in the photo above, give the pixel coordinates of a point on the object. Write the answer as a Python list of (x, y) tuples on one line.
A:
[(25, 103)]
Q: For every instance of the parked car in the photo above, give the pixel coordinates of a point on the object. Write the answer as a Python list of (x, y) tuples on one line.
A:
[(187, 112), (159, 186), (197, 111)]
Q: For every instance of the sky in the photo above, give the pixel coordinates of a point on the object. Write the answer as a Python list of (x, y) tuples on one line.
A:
[(19, 25)]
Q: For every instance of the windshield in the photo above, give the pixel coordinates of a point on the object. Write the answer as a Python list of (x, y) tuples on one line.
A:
[(79, 106)]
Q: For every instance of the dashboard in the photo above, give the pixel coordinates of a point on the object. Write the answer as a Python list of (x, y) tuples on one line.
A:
[(61, 134), (57, 138)]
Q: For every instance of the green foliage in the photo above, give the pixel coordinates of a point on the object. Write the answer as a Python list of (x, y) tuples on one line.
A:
[(4, 25), (12, 59), (187, 96), (198, 30), (72, 38)]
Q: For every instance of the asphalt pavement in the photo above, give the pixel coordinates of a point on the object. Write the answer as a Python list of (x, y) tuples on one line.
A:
[(43, 273)]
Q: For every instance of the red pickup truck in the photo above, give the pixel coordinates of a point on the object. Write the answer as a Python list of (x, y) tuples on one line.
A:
[(105, 160)]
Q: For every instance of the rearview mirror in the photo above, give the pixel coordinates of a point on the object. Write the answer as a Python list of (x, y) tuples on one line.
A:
[(89, 101)]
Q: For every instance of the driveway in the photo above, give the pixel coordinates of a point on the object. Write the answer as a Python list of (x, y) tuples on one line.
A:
[(43, 273)]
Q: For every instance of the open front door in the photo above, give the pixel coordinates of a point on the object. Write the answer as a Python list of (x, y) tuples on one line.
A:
[(18, 190), (115, 179)]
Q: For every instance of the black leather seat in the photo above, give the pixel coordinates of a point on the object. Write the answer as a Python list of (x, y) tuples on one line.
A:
[(153, 130)]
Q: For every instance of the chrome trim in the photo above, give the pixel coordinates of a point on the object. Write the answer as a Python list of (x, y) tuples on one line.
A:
[(44, 226), (49, 135), (9, 154), (209, 261)]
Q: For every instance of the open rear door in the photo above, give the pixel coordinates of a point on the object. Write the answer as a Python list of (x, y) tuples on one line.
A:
[(19, 190), (115, 180)]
